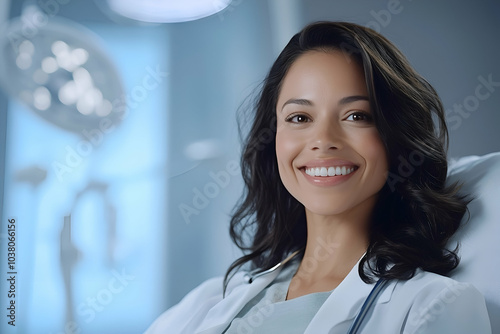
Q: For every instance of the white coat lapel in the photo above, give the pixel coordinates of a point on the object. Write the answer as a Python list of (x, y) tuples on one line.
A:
[(345, 302), (219, 317)]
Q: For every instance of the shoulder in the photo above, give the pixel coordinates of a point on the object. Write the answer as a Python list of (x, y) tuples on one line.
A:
[(186, 315), (426, 283), (426, 287), (438, 304)]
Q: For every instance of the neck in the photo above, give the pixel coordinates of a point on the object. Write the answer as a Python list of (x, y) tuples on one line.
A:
[(334, 244)]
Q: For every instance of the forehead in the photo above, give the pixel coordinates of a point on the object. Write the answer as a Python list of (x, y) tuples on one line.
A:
[(318, 74)]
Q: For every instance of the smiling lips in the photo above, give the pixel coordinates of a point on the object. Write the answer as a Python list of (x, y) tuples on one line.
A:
[(329, 171)]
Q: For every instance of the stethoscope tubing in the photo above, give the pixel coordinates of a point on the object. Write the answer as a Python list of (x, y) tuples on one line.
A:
[(367, 305), (251, 276)]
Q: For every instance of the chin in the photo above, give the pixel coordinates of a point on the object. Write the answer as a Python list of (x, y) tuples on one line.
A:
[(325, 208)]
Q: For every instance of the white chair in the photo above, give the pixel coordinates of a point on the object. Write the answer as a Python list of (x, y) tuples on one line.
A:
[(480, 236)]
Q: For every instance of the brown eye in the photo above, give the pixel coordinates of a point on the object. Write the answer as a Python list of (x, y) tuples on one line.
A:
[(359, 117), (297, 119)]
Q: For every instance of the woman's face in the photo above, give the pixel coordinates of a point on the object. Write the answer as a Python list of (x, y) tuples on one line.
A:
[(330, 155)]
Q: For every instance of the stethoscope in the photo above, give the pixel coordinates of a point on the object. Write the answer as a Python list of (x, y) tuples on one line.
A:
[(365, 308)]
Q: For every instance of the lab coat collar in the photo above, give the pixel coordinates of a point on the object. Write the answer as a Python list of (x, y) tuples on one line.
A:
[(220, 316), (342, 305), (345, 301)]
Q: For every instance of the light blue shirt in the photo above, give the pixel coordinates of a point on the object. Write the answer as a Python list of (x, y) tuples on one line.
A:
[(270, 312)]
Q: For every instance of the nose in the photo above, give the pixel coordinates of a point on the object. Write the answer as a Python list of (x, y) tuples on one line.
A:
[(326, 137)]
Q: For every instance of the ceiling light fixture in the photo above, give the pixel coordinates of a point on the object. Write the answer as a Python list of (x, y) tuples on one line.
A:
[(166, 11)]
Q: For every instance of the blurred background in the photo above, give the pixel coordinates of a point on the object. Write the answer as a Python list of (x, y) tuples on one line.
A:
[(119, 147)]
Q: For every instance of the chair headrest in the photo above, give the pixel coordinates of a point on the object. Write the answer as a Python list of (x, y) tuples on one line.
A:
[(480, 237)]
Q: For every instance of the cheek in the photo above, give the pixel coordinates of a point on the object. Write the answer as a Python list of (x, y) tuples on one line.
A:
[(376, 156), (376, 149), (286, 148)]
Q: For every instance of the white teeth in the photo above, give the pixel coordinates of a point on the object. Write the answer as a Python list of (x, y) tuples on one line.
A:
[(330, 171)]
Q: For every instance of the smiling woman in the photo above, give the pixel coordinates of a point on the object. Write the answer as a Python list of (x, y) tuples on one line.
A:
[(341, 241), (333, 133)]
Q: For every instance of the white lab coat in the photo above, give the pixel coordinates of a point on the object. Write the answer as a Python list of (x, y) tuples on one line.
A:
[(427, 303)]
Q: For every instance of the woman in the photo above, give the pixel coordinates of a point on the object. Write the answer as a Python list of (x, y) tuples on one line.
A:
[(351, 190)]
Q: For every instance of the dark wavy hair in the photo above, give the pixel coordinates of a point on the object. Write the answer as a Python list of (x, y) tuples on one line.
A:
[(416, 212)]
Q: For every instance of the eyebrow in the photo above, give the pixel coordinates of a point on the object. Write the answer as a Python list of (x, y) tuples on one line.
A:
[(302, 102), (354, 98), (343, 101)]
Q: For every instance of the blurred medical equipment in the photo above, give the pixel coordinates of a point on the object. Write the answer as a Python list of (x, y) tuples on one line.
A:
[(70, 254), (58, 70), (109, 215), (69, 258)]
